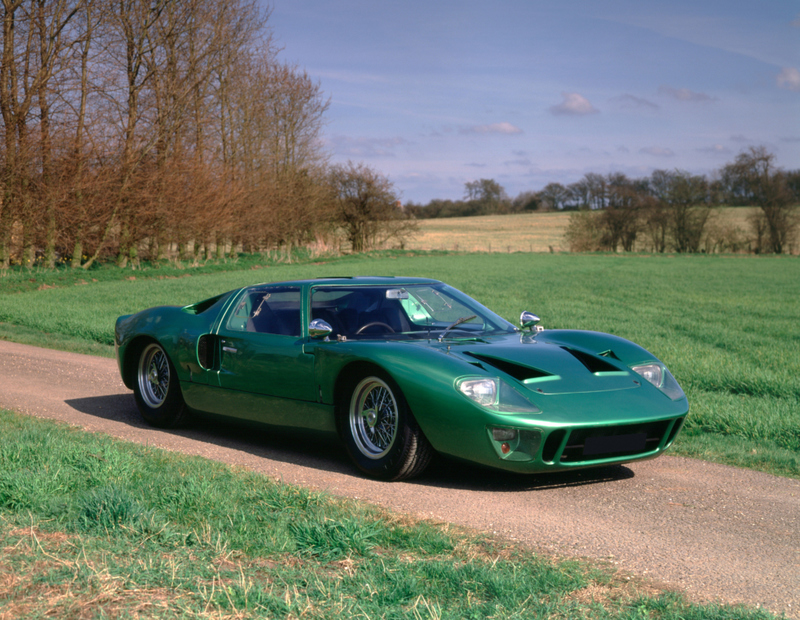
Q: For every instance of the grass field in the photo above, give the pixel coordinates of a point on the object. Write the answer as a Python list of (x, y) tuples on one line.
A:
[(92, 527), (725, 325), (523, 232)]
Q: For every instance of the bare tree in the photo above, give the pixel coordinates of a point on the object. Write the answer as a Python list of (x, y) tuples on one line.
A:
[(554, 196), (621, 219), (32, 44), (689, 211), (656, 222), (596, 188), (487, 195), (754, 179), (367, 207), (129, 126), (272, 123)]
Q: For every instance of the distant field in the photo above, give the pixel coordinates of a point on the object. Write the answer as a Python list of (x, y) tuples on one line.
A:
[(725, 325), (527, 232)]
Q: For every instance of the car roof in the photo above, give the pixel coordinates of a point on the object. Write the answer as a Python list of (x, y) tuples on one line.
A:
[(355, 280)]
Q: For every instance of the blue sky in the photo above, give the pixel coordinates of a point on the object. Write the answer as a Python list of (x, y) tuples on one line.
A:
[(435, 94)]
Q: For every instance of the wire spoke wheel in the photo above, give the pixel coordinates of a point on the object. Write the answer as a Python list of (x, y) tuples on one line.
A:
[(154, 376), (374, 418)]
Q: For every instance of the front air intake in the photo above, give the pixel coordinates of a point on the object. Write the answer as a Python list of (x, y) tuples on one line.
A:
[(518, 371), (593, 443), (592, 362)]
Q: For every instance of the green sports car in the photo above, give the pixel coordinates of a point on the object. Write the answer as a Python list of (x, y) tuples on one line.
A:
[(401, 369)]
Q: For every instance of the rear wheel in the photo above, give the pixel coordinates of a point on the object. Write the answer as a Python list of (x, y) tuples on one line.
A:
[(158, 394), (381, 435)]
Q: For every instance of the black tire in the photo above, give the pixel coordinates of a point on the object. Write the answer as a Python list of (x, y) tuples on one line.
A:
[(157, 390), (380, 434)]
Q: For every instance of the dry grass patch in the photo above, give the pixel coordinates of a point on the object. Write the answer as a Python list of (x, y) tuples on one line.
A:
[(544, 232), (523, 232)]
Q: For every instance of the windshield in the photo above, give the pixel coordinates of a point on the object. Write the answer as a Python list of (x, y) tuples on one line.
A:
[(416, 311)]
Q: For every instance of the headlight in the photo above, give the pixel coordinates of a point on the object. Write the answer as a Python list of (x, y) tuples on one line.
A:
[(495, 394), (651, 372), (482, 391), (659, 376)]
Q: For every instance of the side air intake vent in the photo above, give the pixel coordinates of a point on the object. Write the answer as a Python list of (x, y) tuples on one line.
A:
[(207, 353)]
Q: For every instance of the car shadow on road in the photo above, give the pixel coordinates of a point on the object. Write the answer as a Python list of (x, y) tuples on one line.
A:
[(449, 474), (278, 444), (327, 454)]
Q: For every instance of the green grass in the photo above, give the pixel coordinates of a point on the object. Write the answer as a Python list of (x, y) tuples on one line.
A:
[(725, 325), (92, 527)]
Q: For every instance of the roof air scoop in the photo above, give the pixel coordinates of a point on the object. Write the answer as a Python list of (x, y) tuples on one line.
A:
[(528, 320)]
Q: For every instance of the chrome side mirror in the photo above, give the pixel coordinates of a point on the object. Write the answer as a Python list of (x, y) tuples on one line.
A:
[(319, 329), (528, 320)]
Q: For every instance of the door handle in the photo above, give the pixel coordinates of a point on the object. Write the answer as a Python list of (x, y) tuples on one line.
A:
[(229, 349)]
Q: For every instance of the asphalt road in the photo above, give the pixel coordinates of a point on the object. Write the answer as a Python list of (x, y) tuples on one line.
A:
[(718, 533)]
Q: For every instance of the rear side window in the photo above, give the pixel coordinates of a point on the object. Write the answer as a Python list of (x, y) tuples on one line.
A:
[(268, 310)]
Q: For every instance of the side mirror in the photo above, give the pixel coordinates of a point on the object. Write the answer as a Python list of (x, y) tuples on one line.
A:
[(319, 329), (528, 320)]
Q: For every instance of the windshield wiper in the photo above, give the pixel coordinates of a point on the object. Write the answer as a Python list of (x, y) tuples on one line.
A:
[(463, 319)]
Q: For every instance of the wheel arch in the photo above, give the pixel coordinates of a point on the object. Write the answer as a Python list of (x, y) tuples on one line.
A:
[(345, 381), (409, 452), (130, 360)]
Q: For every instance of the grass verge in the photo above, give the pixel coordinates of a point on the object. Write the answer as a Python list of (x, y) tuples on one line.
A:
[(60, 342), (93, 527)]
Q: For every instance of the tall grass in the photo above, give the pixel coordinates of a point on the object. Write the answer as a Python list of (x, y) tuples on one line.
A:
[(726, 326)]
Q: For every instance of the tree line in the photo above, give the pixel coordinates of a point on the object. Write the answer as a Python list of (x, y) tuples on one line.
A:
[(154, 128), (669, 210)]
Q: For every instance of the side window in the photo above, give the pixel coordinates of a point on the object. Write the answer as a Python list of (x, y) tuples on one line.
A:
[(268, 310)]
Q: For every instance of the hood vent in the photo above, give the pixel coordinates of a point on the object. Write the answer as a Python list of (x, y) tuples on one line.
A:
[(593, 363), (518, 371)]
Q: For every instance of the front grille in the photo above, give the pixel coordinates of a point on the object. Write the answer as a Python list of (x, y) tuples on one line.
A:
[(589, 444)]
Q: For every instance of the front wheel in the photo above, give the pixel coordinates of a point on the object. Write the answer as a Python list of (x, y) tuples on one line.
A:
[(158, 395), (381, 436)]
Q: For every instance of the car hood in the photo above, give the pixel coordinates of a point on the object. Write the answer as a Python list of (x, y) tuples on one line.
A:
[(550, 365)]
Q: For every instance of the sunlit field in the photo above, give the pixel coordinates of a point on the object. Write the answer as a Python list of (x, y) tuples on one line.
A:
[(525, 232), (725, 325)]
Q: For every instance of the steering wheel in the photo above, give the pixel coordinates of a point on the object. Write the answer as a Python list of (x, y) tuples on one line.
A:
[(373, 324)]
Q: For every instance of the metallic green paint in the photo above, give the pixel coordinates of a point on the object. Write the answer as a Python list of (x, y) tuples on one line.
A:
[(592, 408)]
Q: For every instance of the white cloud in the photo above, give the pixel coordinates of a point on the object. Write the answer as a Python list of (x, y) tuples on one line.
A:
[(657, 151), (684, 94), (716, 149), (633, 102), (573, 105), (501, 128), (789, 78)]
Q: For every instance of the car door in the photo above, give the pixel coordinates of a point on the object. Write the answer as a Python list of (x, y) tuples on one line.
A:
[(261, 340)]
